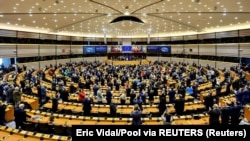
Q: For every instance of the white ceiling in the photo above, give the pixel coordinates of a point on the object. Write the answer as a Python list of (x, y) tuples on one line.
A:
[(91, 18)]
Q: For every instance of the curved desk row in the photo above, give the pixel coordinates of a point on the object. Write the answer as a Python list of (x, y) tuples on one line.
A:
[(10, 134), (123, 109), (9, 111), (69, 120), (116, 99)]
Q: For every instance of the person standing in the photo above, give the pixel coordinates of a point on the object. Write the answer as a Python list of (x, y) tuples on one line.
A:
[(112, 109), (86, 106), (179, 105), (123, 98), (109, 95), (17, 96), (136, 115), (214, 115), (2, 113), (166, 118), (20, 116), (99, 96), (55, 100)]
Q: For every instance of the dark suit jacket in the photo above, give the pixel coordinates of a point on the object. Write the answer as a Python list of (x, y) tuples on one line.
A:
[(86, 105), (235, 113), (214, 118), (208, 101), (136, 116), (2, 113), (20, 115), (113, 109), (179, 105), (225, 115)]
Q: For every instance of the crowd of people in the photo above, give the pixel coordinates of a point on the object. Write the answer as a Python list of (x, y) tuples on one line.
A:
[(138, 82)]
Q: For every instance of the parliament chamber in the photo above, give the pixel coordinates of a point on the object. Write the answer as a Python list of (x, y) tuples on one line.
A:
[(93, 62)]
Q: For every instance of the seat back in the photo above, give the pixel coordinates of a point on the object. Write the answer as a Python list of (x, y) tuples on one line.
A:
[(59, 130), (29, 126), (44, 128)]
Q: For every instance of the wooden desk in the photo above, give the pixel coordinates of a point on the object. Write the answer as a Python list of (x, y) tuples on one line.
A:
[(247, 112), (123, 109), (11, 134), (189, 120), (205, 93), (247, 74), (223, 100), (9, 113), (4, 134), (32, 101), (70, 120), (204, 86)]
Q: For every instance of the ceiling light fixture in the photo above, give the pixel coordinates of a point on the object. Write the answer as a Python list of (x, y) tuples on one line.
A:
[(126, 23), (127, 18)]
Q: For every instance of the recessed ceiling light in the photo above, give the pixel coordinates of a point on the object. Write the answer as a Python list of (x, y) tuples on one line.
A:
[(126, 13)]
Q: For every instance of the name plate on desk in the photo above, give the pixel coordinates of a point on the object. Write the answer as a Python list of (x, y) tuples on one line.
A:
[(36, 117)]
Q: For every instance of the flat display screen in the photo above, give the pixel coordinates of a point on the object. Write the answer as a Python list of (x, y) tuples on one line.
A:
[(126, 48), (101, 49), (89, 50), (153, 49), (165, 49), (159, 49)]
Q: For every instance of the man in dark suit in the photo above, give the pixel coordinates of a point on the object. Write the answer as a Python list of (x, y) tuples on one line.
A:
[(2, 113), (214, 115), (171, 95), (55, 99), (20, 116), (86, 106), (113, 109), (179, 105), (109, 95), (235, 113), (209, 101), (225, 114), (136, 115)]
